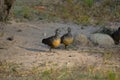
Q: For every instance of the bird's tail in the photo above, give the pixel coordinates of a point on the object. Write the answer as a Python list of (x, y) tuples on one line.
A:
[(43, 41)]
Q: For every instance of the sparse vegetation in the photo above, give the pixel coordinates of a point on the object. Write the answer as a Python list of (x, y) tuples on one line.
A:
[(83, 72), (81, 12)]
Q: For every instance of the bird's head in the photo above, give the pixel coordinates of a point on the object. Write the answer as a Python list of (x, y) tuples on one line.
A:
[(57, 32), (69, 29)]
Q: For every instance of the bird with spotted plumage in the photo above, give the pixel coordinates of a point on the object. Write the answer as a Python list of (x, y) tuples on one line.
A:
[(67, 38), (53, 41)]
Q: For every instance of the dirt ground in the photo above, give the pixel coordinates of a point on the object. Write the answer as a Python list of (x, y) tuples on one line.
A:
[(27, 50)]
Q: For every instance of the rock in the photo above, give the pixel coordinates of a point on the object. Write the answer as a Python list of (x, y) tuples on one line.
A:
[(81, 40), (102, 39), (106, 30)]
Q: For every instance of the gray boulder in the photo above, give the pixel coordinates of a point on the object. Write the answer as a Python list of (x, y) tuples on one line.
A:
[(82, 40), (102, 39)]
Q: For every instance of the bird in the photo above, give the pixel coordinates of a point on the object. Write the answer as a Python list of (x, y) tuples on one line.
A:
[(67, 38), (116, 36), (53, 41)]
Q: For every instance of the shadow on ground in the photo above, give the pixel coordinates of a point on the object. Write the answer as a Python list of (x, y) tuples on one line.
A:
[(32, 49)]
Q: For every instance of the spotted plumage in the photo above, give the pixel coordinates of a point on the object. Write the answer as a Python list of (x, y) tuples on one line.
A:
[(67, 38), (53, 41)]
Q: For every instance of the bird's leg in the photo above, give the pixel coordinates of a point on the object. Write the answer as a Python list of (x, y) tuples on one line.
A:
[(65, 46), (50, 49)]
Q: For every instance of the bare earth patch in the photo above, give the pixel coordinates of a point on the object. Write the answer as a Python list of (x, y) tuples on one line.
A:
[(27, 50)]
